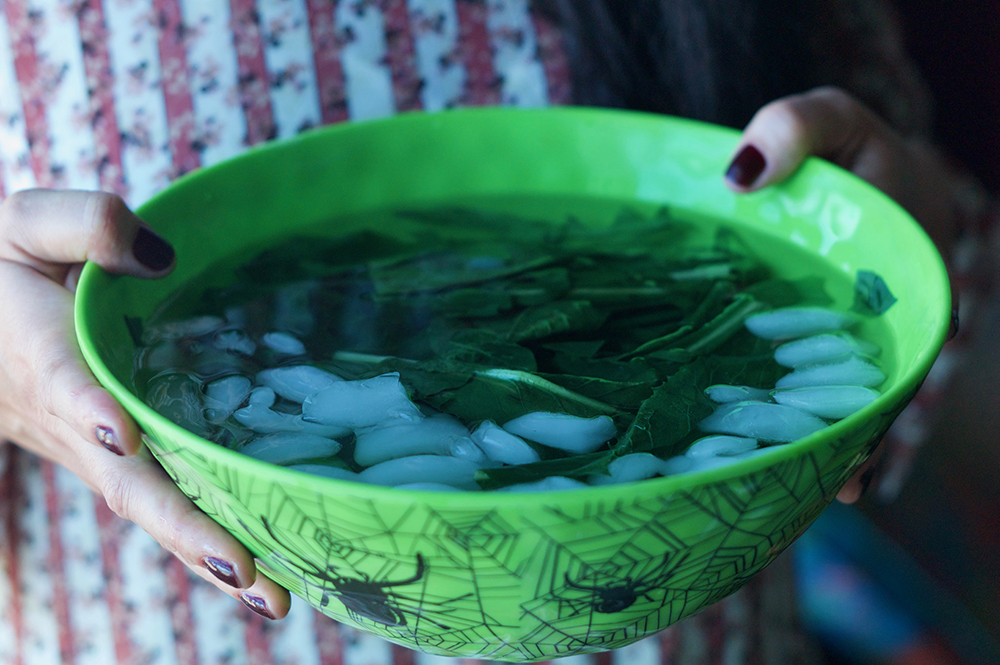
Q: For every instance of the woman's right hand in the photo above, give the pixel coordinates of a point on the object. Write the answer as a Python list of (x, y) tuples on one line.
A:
[(50, 402)]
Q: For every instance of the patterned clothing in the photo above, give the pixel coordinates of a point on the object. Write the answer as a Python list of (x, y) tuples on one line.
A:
[(126, 95)]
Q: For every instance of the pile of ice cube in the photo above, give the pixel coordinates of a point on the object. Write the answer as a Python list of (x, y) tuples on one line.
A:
[(296, 415)]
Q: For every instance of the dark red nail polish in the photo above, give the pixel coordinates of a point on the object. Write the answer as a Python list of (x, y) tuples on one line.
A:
[(746, 167), (151, 250), (107, 438), (257, 604), (223, 571)]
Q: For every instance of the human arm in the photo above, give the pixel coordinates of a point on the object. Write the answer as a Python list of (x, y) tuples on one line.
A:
[(52, 405)]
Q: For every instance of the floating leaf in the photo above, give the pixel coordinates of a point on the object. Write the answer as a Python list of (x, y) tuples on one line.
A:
[(871, 294)]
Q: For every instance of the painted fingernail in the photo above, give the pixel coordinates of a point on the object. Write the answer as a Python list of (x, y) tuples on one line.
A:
[(257, 604), (107, 438), (223, 571), (746, 167), (953, 328), (151, 250)]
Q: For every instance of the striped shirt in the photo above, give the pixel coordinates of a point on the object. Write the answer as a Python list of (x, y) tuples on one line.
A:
[(126, 95)]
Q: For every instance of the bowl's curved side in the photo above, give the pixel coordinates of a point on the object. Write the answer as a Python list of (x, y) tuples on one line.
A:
[(517, 577), (547, 577)]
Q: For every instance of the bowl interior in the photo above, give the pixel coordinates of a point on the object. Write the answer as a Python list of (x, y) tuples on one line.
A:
[(253, 201), (248, 203)]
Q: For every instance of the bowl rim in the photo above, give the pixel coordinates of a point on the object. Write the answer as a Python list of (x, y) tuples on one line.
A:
[(908, 380)]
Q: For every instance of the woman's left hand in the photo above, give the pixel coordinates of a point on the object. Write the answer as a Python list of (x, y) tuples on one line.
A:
[(829, 123)]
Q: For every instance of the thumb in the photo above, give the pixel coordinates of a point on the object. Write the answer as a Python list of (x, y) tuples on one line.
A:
[(825, 122), (48, 229)]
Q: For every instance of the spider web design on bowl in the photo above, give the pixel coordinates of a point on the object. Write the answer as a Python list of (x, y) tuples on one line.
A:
[(598, 575), (643, 572)]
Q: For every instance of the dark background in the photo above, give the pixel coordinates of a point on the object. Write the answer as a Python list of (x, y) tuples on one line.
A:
[(948, 516), (957, 45)]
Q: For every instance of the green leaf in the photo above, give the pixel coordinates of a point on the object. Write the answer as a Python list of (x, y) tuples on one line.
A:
[(871, 294), (480, 348), (555, 318), (620, 394), (668, 416), (666, 423), (438, 271), (502, 395)]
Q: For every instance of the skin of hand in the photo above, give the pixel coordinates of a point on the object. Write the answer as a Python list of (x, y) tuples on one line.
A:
[(829, 123), (53, 406)]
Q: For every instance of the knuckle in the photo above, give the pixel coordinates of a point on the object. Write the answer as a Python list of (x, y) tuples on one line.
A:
[(104, 212), (16, 213), (119, 492), (170, 536)]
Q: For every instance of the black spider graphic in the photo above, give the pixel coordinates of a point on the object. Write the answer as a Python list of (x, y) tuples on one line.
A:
[(364, 597), (622, 594)]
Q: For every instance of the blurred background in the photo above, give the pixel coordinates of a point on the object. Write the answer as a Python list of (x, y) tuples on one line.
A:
[(917, 579)]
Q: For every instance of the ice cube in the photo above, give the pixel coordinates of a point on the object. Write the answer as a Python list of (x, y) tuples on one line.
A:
[(563, 431), (833, 402), (720, 446), (762, 421), (296, 382), (442, 469), (852, 371), (178, 398), (223, 396), (502, 446), (794, 322), (821, 349), (724, 394), (364, 403), (436, 435), (630, 468), (234, 341), (283, 343), (290, 447)]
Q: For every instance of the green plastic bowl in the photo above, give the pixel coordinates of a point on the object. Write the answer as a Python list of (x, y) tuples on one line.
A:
[(519, 577)]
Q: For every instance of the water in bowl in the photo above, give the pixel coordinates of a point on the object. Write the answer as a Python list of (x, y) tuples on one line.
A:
[(534, 344)]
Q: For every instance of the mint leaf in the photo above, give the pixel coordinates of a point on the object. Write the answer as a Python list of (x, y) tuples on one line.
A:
[(871, 294)]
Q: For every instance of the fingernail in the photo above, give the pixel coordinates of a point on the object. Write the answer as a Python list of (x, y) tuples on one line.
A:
[(151, 250), (106, 437), (953, 328), (746, 167), (256, 604), (223, 571)]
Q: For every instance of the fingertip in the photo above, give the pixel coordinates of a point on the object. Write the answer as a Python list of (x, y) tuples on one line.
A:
[(850, 492), (122, 242), (745, 168), (267, 598), (152, 251)]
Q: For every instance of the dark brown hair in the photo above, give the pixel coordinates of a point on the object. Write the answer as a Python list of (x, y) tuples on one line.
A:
[(721, 60)]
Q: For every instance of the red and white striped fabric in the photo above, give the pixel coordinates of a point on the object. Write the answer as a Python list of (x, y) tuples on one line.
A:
[(124, 95)]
